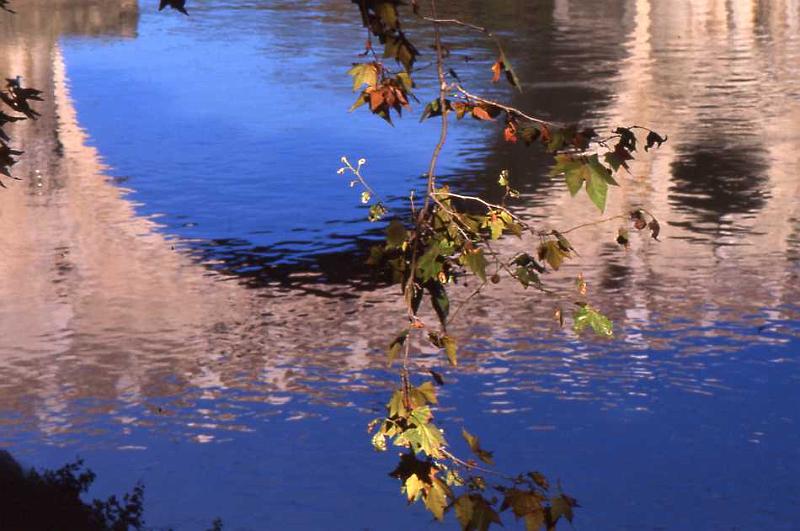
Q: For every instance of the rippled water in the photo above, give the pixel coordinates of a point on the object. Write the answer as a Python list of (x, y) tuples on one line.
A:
[(183, 298)]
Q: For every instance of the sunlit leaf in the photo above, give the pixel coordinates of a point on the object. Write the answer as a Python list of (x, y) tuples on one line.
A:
[(451, 349), (364, 74), (585, 316)]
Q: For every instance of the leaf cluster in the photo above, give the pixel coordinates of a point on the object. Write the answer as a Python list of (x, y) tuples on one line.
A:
[(17, 98)]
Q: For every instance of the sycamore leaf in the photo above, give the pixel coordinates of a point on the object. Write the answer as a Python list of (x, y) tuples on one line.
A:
[(654, 138), (439, 300), (585, 316), (414, 487), (526, 276), (525, 504), (474, 513), (474, 445), (481, 113), (424, 394), (387, 12), (463, 507), (436, 498), (364, 74), (395, 234), (476, 262), (424, 436), (562, 506), (551, 252)]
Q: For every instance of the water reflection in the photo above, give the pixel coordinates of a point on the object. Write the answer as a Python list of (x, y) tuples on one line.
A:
[(135, 329)]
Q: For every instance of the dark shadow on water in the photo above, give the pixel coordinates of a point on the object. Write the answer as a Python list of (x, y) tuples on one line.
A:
[(51, 499), (711, 182)]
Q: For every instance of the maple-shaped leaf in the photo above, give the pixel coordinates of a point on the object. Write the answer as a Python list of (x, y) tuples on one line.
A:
[(364, 74), (177, 5)]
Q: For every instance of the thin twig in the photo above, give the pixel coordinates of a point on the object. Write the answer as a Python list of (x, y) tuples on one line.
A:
[(507, 108)]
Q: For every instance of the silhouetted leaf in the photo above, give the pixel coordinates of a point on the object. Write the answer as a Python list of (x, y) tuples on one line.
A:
[(439, 300), (654, 138), (178, 5), (395, 234), (655, 228), (475, 446)]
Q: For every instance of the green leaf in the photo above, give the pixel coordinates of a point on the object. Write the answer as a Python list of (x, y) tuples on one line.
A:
[(475, 446), (588, 316), (424, 436), (597, 190), (476, 262), (439, 300), (423, 395), (428, 265), (395, 234), (396, 407), (526, 276), (387, 12), (363, 74)]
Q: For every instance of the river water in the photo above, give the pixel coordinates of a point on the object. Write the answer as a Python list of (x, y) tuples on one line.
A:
[(183, 299)]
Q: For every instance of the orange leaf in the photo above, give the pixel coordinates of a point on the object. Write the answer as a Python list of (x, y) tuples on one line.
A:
[(480, 113), (497, 69), (510, 133), (375, 100)]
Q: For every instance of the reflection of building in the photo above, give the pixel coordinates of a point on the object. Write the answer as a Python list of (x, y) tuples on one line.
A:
[(720, 79), (95, 304), (91, 296)]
